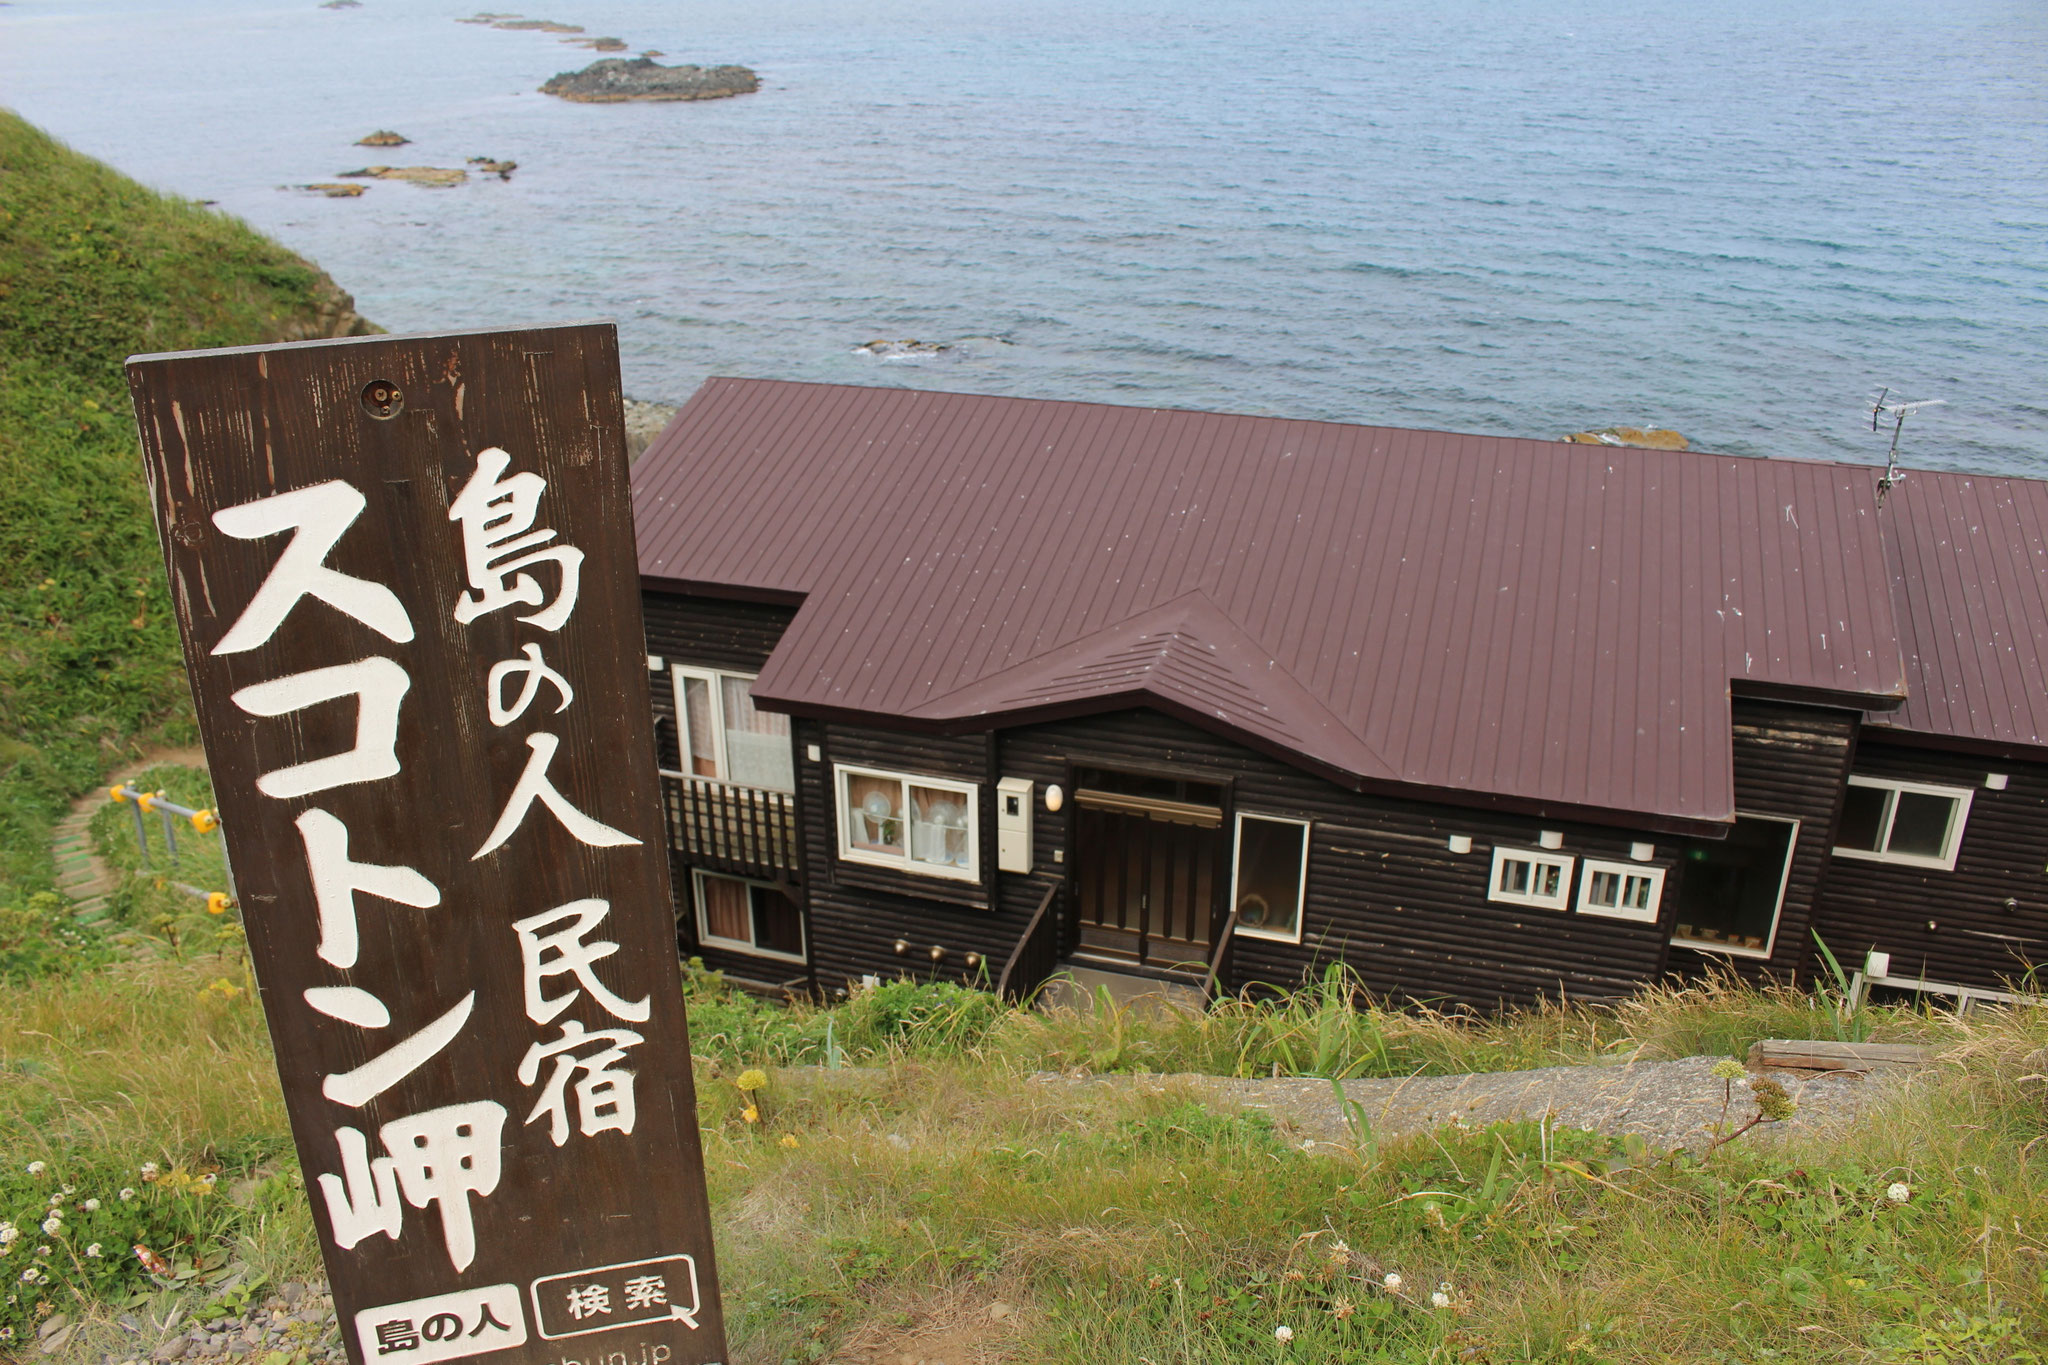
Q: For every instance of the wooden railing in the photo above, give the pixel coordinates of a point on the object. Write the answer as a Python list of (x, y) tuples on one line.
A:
[(747, 831), (1037, 950), (1216, 958)]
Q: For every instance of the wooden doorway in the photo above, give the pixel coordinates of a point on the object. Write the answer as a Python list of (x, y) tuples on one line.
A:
[(1148, 870)]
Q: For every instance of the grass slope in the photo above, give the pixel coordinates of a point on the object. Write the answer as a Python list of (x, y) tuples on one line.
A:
[(95, 268)]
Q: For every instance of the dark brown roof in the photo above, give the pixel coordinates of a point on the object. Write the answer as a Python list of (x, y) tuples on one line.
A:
[(1499, 620), (1969, 557)]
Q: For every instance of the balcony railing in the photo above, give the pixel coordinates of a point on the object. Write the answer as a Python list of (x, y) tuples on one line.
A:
[(747, 831)]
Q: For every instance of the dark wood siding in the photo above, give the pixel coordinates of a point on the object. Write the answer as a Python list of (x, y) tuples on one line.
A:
[(1790, 761), (857, 912), (709, 632), (1980, 925), (1384, 893)]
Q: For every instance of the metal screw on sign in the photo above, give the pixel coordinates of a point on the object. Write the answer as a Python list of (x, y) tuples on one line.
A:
[(382, 399)]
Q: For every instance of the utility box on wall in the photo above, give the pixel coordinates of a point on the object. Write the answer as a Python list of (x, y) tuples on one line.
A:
[(1013, 824)]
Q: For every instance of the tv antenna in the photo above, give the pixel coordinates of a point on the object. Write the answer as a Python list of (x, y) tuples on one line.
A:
[(1898, 412)]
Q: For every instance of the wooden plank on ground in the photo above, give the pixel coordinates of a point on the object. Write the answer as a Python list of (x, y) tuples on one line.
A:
[(1814, 1054)]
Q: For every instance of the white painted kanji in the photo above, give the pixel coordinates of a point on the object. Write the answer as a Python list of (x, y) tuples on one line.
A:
[(320, 515), (498, 540), (358, 1087), (547, 950), (367, 1203), (379, 685), (443, 1156), (604, 1093), (537, 671), (337, 879), (533, 785)]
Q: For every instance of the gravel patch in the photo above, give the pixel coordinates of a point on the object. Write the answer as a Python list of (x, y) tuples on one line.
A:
[(1667, 1104), (296, 1322)]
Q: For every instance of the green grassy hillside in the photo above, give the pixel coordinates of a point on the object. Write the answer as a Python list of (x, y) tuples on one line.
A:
[(95, 268)]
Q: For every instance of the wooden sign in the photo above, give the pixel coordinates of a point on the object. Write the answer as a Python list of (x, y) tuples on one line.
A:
[(404, 572)]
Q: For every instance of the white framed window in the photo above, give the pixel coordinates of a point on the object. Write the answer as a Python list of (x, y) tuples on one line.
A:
[(1916, 823), (1528, 876), (723, 736), (1621, 890), (748, 917), (1734, 888), (926, 825), (1268, 875)]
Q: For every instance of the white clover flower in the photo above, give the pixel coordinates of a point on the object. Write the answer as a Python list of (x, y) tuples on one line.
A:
[(42, 1251), (56, 1199), (1283, 1334), (127, 1193), (91, 1206), (93, 1250), (1392, 1282), (35, 1168), (29, 1276), (52, 1225), (1439, 1300), (149, 1170), (8, 1232), (70, 1189), (1899, 1192)]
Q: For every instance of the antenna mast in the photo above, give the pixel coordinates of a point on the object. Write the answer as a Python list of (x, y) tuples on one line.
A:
[(1899, 412)]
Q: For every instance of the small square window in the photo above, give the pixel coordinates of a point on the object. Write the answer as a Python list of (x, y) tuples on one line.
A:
[(1268, 875), (1621, 891), (748, 917), (924, 825), (1888, 821), (1527, 876)]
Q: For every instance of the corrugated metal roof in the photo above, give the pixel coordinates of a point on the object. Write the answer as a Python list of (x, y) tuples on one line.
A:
[(1531, 621), (1969, 560)]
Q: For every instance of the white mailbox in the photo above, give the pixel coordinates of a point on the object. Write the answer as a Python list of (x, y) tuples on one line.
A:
[(1013, 824)]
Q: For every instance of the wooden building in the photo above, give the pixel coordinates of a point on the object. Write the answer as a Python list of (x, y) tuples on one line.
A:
[(983, 688)]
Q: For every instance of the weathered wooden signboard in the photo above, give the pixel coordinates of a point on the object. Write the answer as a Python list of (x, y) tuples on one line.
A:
[(405, 575)]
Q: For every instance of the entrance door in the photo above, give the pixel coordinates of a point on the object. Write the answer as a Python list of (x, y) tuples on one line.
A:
[(1146, 873)]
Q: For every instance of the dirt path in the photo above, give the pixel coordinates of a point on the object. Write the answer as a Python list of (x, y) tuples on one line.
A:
[(82, 875)]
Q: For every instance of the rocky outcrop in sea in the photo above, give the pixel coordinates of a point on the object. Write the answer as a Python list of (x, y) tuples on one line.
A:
[(616, 80)]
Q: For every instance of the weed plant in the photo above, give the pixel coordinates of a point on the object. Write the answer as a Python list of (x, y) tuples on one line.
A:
[(94, 268)]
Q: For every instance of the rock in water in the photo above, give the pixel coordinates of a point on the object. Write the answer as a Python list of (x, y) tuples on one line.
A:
[(438, 177), (383, 137), (1642, 438), (617, 79)]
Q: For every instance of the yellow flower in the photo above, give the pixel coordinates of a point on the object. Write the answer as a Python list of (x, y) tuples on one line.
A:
[(752, 1080), (789, 1140), (752, 1114)]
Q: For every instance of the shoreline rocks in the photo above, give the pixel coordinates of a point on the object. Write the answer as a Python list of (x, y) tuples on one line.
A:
[(383, 137), (434, 177), (1640, 438), (515, 24), (617, 80)]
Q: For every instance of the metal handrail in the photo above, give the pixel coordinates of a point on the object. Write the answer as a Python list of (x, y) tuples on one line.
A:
[(1023, 939), (1216, 958)]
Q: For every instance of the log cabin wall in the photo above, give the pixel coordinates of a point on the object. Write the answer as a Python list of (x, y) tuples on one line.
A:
[(1383, 892), (1983, 924), (1790, 762), (709, 633)]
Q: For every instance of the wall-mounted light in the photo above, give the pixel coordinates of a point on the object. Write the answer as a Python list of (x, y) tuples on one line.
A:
[(973, 960), (1995, 781), (1642, 853), (938, 952), (1550, 838), (1459, 843), (902, 946), (1054, 797)]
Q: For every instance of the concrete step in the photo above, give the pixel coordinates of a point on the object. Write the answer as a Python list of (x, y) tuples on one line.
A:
[(1074, 987)]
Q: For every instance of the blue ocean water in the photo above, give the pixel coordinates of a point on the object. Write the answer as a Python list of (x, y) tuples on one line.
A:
[(1737, 219)]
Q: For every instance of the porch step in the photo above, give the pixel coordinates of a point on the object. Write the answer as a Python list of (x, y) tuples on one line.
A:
[(1075, 984)]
